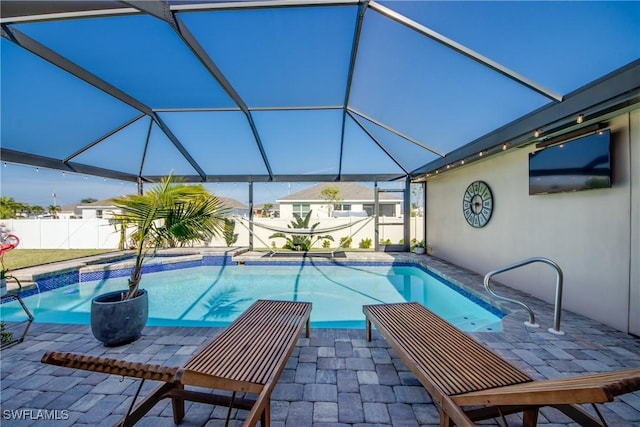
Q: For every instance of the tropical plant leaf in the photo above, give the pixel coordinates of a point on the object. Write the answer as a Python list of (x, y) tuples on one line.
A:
[(299, 242), (168, 214)]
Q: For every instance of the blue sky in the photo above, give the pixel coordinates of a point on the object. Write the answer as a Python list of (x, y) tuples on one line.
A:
[(293, 57), (36, 186)]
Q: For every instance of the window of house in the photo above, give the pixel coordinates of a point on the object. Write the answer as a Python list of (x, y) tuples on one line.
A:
[(342, 207), (98, 213), (387, 209), (301, 209), (383, 209)]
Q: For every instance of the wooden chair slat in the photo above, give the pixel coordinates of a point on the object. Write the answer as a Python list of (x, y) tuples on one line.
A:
[(448, 357), (248, 356), (458, 371)]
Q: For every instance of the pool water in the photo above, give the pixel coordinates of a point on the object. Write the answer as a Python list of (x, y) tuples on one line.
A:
[(216, 295)]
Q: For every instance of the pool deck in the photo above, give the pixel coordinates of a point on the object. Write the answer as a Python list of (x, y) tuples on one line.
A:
[(334, 378)]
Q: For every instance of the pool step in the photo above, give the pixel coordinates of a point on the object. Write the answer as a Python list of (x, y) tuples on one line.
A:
[(26, 283)]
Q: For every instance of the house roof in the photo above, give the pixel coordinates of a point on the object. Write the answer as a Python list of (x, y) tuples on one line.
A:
[(98, 204), (73, 208), (76, 208), (348, 192), (232, 203)]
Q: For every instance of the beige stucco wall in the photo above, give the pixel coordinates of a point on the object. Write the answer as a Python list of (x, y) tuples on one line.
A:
[(588, 233)]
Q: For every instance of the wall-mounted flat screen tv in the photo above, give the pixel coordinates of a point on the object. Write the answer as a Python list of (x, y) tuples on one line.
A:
[(580, 164)]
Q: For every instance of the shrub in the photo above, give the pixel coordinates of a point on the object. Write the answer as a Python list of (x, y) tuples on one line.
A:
[(365, 243), (326, 243), (5, 335), (345, 242), (420, 244), (297, 242)]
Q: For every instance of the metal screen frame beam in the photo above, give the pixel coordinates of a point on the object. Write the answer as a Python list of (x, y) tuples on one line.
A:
[(217, 74), (617, 90), (469, 53), (162, 11), (19, 157), (22, 158), (352, 65), (72, 68), (145, 149), (59, 10), (267, 4), (298, 108), (250, 189), (395, 132), (103, 137), (38, 49), (253, 109), (290, 178), (406, 226), (376, 217), (373, 138), (176, 142), (266, 178)]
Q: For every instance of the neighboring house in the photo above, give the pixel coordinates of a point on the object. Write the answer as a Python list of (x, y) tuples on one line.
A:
[(260, 211), (353, 200), (66, 212), (235, 207), (101, 209)]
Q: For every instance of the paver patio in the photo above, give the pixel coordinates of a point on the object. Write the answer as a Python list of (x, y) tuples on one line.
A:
[(334, 378)]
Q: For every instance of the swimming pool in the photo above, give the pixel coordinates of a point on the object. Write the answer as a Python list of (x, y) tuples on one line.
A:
[(214, 295)]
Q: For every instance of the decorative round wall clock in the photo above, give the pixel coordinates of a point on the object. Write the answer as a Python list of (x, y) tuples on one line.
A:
[(477, 204)]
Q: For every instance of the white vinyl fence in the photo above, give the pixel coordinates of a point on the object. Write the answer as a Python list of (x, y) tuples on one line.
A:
[(99, 234), (63, 233)]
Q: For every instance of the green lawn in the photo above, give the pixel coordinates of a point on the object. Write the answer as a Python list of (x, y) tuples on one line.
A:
[(20, 258)]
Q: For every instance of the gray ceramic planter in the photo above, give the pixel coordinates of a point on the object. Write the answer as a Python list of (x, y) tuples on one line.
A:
[(116, 322)]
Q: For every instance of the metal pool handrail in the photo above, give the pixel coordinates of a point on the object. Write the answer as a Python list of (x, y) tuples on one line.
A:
[(558, 300)]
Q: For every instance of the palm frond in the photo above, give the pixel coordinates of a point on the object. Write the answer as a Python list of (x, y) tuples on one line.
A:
[(168, 214)]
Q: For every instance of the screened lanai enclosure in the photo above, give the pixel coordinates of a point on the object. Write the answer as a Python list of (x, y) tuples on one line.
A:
[(381, 93)]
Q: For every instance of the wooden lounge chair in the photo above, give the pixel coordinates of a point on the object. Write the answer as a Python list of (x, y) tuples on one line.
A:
[(247, 357), (459, 372)]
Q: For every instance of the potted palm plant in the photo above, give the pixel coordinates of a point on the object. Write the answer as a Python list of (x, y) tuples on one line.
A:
[(167, 215)]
